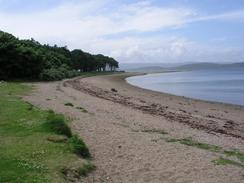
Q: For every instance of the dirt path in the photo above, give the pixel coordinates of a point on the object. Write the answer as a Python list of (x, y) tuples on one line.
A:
[(124, 129)]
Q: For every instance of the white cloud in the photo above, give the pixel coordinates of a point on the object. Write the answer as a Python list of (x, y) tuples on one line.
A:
[(82, 19), (165, 49), (152, 49), (85, 24), (234, 15)]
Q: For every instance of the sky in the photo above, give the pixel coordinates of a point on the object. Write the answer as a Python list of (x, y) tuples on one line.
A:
[(132, 31)]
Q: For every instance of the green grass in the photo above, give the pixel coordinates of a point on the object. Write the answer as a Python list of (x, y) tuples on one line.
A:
[(29, 150), (189, 142), (235, 153), (221, 161), (193, 143), (224, 161), (56, 123)]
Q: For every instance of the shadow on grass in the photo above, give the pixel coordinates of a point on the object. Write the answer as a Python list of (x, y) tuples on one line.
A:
[(79, 147), (56, 123)]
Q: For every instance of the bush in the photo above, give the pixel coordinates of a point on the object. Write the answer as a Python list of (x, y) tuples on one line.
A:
[(57, 124), (51, 75), (79, 147), (86, 168), (57, 73)]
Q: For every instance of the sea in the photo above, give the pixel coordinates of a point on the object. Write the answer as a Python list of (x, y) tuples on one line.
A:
[(218, 85)]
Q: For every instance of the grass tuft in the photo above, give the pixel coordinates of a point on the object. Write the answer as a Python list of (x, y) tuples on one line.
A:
[(155, 131), (79, 147), (171, 140), (69, 104), (57, 124), (82, 109), (221, 161), (191, 142), (86, 168), (235, 153), (224, 161)]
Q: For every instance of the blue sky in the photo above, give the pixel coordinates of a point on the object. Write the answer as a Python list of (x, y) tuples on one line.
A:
[(164, 31)]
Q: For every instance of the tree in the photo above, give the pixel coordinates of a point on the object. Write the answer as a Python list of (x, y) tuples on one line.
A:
[(28, 59)]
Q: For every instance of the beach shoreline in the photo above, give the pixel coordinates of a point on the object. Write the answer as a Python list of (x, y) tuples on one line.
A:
[(129, 129), (162, 92)]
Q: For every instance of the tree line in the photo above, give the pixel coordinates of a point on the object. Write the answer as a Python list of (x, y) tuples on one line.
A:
[(28, 59)]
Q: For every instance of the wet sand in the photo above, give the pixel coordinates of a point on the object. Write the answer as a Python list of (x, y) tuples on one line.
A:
[(126, 127)]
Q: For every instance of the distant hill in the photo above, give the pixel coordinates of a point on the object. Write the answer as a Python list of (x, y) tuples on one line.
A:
[(189, 67), (236, 65), (147, 69), (203, 66), (198, 66)]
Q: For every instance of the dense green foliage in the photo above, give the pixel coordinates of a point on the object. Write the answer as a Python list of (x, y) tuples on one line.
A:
[(86, 62), (28, 59)]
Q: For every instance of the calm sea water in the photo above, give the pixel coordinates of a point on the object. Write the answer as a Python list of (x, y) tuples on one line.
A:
[(213, 85)]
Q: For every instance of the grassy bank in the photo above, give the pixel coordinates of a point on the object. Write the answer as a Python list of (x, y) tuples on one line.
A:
[(36, 145)]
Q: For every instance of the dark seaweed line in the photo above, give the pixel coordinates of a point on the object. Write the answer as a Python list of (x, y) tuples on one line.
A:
[(154, 109)]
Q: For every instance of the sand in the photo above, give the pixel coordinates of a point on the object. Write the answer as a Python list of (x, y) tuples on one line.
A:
[(123, 128)]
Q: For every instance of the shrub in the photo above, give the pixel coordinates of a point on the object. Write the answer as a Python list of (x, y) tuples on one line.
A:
[(51, 75), (57, 124), (79, 147), (59, 73), (86, 168)]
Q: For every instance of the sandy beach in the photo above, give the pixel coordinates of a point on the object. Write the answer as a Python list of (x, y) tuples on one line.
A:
[(130, 131)]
